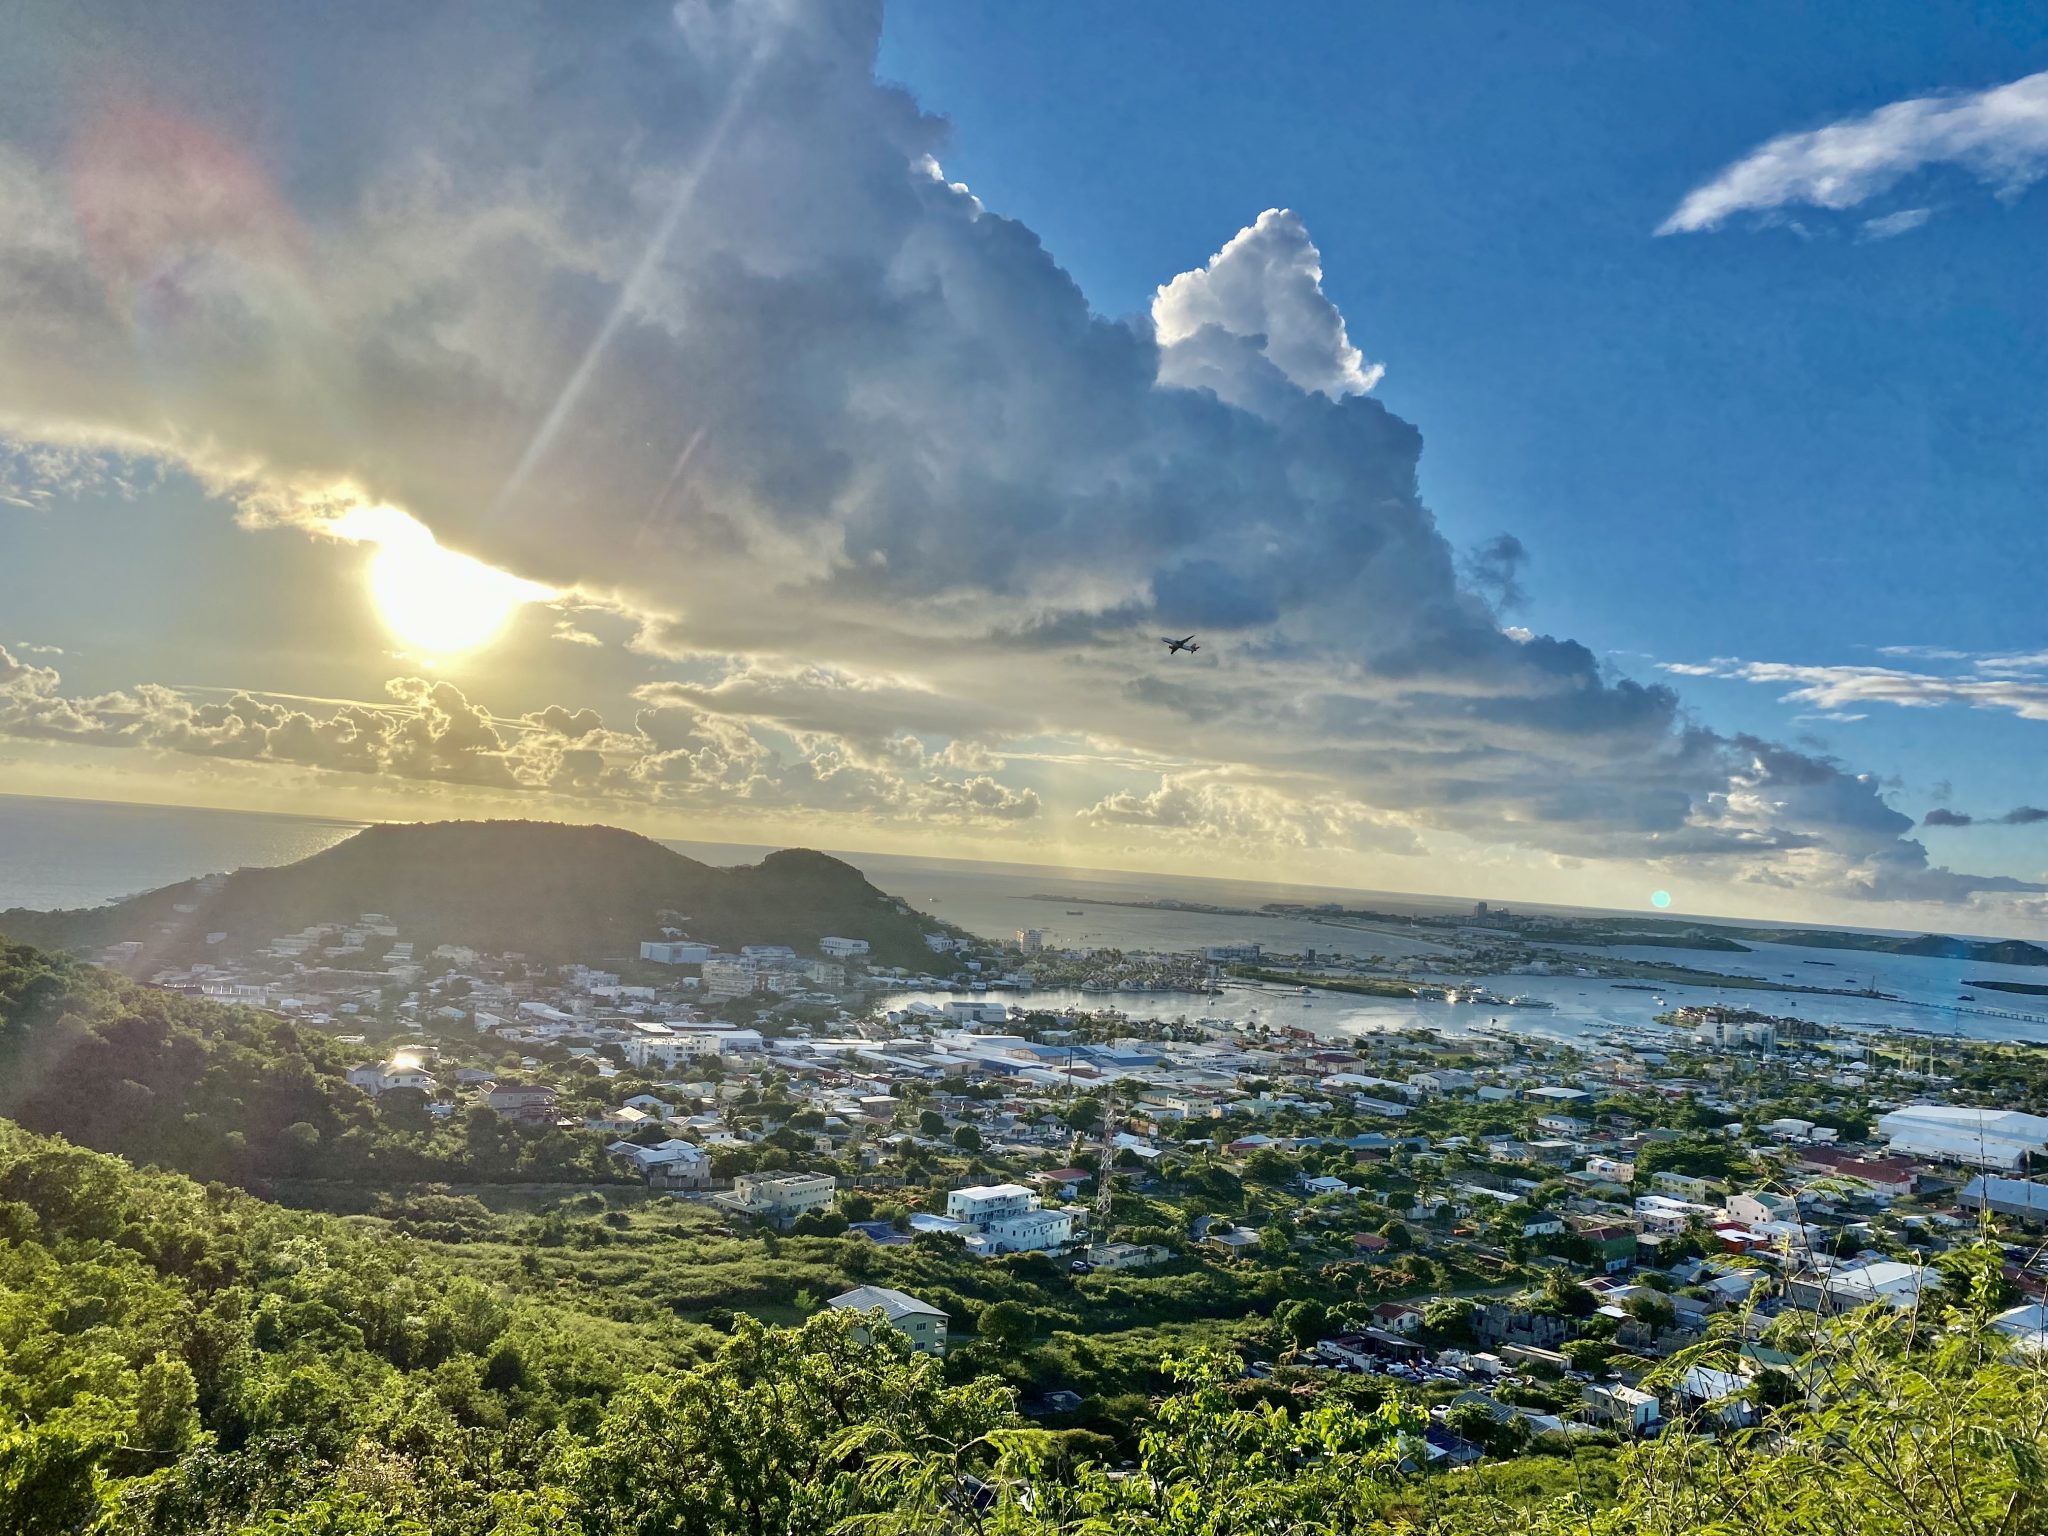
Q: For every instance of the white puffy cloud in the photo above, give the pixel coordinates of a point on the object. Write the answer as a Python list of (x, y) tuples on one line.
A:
[(1999, 136), (664, 309), (430, 732), (1203, 810), (1256, 317)]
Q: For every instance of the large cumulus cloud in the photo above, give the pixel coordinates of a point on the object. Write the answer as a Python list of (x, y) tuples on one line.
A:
[(673, 308)]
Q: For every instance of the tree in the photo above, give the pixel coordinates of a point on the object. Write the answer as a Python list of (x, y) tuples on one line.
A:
[(50, 1480), (967, 1139), (1450, 1318), (1265, 1166), (1589, 1355), (1008, 1325), (1303, 1322), (1566, 1297), (1397, 1235), (1207, 1466), (1651, 1310), (855, 1205), (1082, 1115), (166, 1407), (1911, 1438), (779, 1433), (1497, 1436)]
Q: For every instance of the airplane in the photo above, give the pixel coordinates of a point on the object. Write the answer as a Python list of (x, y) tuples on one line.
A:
[(1173, 645)]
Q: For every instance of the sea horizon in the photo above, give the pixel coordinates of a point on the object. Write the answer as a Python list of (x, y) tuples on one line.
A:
[(45, 866)]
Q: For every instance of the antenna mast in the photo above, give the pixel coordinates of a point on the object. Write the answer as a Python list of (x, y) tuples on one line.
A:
[(1104, 1204)]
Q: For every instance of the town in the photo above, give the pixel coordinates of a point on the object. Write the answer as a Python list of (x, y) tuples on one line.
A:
[(1517, 1230)]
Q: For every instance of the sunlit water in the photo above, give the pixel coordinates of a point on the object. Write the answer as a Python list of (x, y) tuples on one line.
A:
[(80, 853), (70, 853)]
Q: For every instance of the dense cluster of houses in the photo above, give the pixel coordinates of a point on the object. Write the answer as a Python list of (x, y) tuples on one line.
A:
[(1836, 1224)]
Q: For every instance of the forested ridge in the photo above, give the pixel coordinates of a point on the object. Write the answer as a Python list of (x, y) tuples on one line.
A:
[(556, 892), (226, 1092)]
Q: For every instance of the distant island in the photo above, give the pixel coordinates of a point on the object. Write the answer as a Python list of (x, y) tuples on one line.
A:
[(1160, 904), (1611, 932), (551, 891), (2024, 988)]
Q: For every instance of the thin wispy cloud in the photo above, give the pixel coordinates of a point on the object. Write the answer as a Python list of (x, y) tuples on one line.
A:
[(1841, 689), (1891, 225), (1999, 136)]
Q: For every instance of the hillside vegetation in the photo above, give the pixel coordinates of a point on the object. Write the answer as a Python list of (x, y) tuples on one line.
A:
[(187, 1361), (231, 1093), (554, 892)]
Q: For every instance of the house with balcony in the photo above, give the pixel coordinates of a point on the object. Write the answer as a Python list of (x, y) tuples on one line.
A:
[(779, 1198), (1008, 1218)]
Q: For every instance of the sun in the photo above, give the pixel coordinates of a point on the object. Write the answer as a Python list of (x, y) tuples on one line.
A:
[(440, 602)]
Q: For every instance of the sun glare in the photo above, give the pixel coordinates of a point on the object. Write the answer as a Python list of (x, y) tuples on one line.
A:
[(438, 601)]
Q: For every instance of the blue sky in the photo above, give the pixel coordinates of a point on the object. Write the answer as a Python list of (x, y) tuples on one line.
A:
[(797, 424), (1745, 443)]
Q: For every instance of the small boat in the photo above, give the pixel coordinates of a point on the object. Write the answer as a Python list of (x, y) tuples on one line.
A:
[(1075, 912)]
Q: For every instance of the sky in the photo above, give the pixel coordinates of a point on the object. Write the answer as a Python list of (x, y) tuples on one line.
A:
[(1597, 448)]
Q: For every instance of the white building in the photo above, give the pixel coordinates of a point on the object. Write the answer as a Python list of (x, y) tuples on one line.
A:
[(2026, 1325), (1739, 1035), (1957, 1133), (1761, 1207), (2018, 1199), (399, 1072), (1442, 1080), (672, 1164), (1625, 1408), (681, 1045), (1232, 954), (1898, 1285), (731, 976), (1686, 1186), (780, 1197), (674, 952), (1008, 1218), (842, 949), (924, 1323)]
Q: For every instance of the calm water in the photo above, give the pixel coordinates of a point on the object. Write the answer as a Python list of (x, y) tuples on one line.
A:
[(1583, 1006), (70, 853), (80, 853)]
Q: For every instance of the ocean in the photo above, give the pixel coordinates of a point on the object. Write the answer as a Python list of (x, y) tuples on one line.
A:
[(71, 853), (82, 853)]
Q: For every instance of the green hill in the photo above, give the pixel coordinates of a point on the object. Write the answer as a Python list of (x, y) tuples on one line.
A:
[(555, 892), (222, 1092)]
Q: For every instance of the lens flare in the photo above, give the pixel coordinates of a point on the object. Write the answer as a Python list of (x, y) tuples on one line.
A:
[(1660, 899)]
